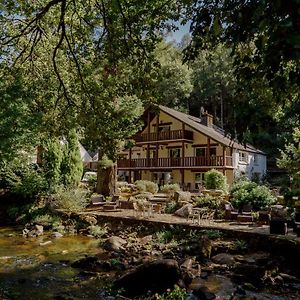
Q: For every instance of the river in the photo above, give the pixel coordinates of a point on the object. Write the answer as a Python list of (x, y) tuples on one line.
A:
[(30, 271)]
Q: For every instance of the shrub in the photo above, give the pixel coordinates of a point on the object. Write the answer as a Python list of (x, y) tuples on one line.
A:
[(208, 201), (23, 179), (70, 198), (170, 188), (245, 192), (171, 207), (71, 165), (146, 186), (176, 294), (97, 231), (215, 180), (165, 236)]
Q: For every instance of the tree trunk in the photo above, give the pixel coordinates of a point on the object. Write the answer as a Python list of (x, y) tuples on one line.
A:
[(106, 178)]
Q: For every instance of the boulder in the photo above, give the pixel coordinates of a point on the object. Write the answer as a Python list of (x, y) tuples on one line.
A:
[(57, 234), (156, 276), (184, 211), (114, 243), (248, 273), (223, 259), (182, 196), (92, 264), (203, 293), (200, 248)]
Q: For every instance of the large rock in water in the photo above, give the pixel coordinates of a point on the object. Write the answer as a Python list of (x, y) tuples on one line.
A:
[(223, 259), (114, 243), (156, 276)]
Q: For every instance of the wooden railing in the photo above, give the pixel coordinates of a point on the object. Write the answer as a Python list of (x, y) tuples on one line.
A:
[(167, 162), (164, 136)]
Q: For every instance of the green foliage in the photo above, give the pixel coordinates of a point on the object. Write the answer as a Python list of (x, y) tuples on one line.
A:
[(215, 180), (105, 163), (252, 27), (52, 156), (165, 236), (213, 234), (146, 186), (173, 86), (45, 218), (71, 165), (290, 156), (176, 294), (245, 192), (70, 198), (22, 178), (240, 246), (170, 188), (171, 207), (208, 201), (97, 231), (19, 126)]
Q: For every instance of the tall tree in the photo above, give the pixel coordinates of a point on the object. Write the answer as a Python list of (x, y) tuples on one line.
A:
[(71, 165), (173, 84), (290, 156)]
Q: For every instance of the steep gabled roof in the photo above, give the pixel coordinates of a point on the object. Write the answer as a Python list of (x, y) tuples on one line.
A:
[(85, 156), (214, 132)]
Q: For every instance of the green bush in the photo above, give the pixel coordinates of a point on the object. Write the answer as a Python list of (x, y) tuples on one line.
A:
[(170, 188), (246, 192), (23, 179), (97, 231), (146, 186), (215, 180), (208, 201), (171, 207), (70, 198)]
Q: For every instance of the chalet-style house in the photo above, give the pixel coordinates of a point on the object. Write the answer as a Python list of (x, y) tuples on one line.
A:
[(174, 147)]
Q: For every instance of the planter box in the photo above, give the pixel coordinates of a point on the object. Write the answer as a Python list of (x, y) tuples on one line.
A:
[(125, 204)]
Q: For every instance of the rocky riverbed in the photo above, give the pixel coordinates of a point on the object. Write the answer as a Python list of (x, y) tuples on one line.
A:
[(139, 262)]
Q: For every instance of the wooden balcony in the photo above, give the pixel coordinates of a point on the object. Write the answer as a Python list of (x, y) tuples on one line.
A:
[(164, 136), (167, 162)]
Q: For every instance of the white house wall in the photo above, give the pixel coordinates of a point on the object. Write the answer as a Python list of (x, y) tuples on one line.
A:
[(249, 168)]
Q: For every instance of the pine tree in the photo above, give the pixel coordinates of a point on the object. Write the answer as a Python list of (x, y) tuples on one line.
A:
[(72, 166)]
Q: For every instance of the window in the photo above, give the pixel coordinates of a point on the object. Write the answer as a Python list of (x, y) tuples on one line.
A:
[(243, 156), (174, 153), (152, 153), (199, 177), (164, 128), (200, 152), (255, 159)]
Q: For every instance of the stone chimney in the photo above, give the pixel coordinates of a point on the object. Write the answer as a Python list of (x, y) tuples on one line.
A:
[(207, 119)]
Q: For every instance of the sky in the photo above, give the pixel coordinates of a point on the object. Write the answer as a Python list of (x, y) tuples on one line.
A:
[(177, 35)]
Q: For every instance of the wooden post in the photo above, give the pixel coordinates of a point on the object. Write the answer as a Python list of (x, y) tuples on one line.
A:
[(130, 157), (224, 159), (148, 145), (208, 152), (157, 137), (182, 177), (183, 150)]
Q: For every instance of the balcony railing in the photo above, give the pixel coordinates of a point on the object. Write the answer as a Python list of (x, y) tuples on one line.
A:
[(164, 136), (167, 162)]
